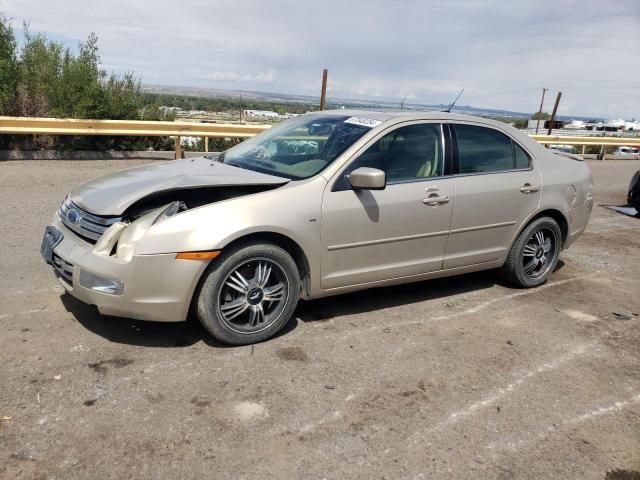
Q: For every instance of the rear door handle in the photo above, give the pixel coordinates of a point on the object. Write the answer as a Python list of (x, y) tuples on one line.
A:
[(435, 200), (528, 188)]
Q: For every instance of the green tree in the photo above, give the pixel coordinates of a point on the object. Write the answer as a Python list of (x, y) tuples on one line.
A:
[(543, 116), (39, 70), (53, 81), (8, 65), (120, 97), (77, 92)]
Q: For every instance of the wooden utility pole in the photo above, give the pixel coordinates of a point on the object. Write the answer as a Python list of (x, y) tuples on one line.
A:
[(323, 93), (544, 90), (178, 147), (553, 114)]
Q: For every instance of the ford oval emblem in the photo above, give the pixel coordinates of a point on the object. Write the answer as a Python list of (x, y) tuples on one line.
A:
[(73, 217)]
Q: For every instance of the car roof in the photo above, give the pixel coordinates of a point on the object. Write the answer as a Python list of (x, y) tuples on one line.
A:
[(408, 115), (392, 117)]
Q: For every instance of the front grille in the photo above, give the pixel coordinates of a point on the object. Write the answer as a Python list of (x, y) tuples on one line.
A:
[(64, 268), (87, 225)]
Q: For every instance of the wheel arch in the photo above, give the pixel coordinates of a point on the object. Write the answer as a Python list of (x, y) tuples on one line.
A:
[(556, 214), (279, 239), (284, 242), (513, 270)]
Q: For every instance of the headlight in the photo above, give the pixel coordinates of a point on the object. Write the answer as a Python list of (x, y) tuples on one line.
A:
[(170, 211)]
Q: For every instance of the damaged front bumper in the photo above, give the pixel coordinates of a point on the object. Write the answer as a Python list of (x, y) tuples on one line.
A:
[(155, 287)]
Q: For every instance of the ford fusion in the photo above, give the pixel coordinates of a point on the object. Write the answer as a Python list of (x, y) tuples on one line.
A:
[(322, 204)]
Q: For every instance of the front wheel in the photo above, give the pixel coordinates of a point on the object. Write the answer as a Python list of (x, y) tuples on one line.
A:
[(250, 294), (534, 254)]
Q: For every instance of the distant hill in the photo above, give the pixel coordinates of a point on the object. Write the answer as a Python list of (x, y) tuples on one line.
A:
[(334, 101)]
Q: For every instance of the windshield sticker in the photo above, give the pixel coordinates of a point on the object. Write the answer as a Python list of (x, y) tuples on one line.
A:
[(362, 121)]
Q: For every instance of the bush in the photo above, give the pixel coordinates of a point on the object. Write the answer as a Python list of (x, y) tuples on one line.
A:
[(46, 79), (594, 149), (542, 116), (8, 66)]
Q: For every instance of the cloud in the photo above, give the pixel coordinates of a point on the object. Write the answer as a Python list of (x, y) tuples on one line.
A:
[(502, 53)]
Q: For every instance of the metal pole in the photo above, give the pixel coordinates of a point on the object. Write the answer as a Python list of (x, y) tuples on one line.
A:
[(553, 114), (206, 144), (323, 93), (178, 146), (544, 90)]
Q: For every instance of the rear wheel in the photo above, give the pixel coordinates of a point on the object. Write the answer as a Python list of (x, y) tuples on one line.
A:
[(534, 254), (250, 294)]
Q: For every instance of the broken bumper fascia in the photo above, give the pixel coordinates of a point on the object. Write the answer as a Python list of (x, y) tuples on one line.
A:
[(154, 287)]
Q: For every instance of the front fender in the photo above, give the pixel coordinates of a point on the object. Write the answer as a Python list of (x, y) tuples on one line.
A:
[(292, 210)]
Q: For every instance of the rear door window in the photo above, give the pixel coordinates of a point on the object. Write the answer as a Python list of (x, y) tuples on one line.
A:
[(522, 159), (485, 150)]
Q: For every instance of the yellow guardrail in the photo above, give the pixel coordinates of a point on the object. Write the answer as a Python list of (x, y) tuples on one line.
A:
[(64, 126), (567, 140), (67, 126)]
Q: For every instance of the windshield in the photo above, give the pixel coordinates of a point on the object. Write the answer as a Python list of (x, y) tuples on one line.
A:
[(298, 148)]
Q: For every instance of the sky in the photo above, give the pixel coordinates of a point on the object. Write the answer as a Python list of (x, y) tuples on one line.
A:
[(501, 53)]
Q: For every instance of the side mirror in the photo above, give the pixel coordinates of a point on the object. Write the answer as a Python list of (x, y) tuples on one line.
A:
[(366, 178)]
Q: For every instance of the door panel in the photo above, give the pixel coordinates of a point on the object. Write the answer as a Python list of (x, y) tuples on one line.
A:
[(497, 188), (488, 212), (377, 235)]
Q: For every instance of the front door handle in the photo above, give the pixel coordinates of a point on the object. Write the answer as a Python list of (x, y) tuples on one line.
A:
[(435, 200), (528, 188)]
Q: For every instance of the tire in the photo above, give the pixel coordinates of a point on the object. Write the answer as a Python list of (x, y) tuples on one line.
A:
[(249, 293), (633, 198), (530, 262)]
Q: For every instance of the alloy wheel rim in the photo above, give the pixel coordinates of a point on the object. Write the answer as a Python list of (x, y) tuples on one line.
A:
[(253, 296), (539, 252)]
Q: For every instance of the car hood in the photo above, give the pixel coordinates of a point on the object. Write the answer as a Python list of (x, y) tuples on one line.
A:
[(112, 194)]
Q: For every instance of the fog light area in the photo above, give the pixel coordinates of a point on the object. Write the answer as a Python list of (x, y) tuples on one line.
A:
[(101, 284)]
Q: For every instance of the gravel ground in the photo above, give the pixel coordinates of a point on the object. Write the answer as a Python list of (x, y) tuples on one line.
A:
[(456, 378)]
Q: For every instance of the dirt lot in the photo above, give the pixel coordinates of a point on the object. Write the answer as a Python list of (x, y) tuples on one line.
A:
[(456, 378)]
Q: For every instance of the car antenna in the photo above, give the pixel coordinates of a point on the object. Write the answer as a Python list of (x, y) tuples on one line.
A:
[(448, 110)]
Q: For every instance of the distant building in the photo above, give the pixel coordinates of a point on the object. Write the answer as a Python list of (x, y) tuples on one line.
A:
[(576, 125), (166, 109), (261, 113), (614, 126), (633, 125)]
